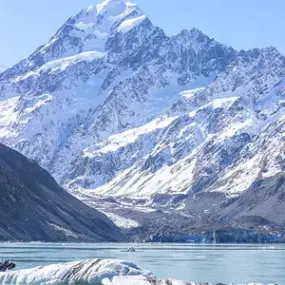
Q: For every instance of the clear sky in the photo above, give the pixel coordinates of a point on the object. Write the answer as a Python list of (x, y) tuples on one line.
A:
[(27, 24)]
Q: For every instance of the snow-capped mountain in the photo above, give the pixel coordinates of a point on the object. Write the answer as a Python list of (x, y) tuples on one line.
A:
[(113, 107)]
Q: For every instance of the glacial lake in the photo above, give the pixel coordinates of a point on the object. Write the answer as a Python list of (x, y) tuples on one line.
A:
[(197, 263)]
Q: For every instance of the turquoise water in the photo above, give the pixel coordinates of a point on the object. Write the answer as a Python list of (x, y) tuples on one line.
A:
[(198, 263)]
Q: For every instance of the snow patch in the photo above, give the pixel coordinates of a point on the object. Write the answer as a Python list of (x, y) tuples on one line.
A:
[(84, 27), (8, 116), (121, 222), (63, 63), (37, 103), (190, 93), (128, 25), (122, 139), (113, 7), (63, 230)]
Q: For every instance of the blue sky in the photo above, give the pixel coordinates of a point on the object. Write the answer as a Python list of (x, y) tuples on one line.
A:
[(27, 24)]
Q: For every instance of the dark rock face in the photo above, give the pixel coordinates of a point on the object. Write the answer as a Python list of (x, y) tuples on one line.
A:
[(33, 207), (6, 265)]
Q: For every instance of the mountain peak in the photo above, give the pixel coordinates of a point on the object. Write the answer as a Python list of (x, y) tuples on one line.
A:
[(87, 31), (194, 33), (112, 8), (102, 19)]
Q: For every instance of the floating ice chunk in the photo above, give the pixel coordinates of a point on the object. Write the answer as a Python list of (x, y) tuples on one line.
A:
[(95, 271)]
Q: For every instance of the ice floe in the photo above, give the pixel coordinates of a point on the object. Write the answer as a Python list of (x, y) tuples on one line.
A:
[(96, 272)]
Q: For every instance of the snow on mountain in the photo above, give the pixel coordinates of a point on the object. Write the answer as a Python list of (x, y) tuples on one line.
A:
[(112, 106), (122, 222)]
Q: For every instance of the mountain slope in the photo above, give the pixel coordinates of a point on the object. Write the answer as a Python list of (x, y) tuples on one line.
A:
[(34, 208), (113, 107)]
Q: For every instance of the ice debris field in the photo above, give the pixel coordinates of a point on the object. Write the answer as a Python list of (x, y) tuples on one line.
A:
[(96, 271)]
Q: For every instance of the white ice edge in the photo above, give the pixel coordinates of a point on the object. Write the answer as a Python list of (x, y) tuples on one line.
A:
[(96, 272)]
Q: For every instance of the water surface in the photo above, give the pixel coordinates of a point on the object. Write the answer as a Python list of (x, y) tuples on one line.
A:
[(197, 263)]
